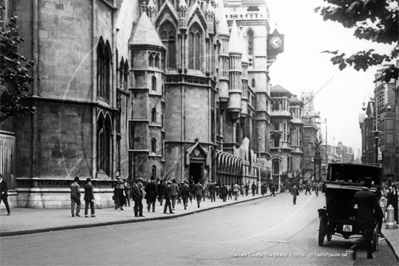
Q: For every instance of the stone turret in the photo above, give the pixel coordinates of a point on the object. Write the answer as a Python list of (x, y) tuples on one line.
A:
[(235, 73), (244, 78), (224, 37)]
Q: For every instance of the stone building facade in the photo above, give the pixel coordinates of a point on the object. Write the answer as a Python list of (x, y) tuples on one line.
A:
[(170, 89)]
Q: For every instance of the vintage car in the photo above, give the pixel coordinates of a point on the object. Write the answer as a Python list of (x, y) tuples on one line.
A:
[(338, 217)]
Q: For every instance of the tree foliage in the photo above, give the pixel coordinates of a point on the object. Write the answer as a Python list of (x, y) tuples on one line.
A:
[(15, 77), (372, 20)]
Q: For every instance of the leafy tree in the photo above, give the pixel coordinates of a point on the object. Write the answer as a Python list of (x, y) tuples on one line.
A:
[(15, 77), (373, 20)]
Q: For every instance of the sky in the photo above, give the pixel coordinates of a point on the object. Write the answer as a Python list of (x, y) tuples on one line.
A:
[(303, 66)]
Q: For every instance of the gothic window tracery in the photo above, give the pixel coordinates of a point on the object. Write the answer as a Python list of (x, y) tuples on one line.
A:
[(250, 37), (104, 59), (195, 47), (104, 144), (168, 37), (154, 83)]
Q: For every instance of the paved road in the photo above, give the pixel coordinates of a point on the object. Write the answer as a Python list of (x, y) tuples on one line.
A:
[(268, 231)]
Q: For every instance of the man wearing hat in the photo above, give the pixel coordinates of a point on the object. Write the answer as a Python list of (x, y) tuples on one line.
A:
[(75, 197), (168, 195), (137, 194), (151, 194), (368, 207), (89, 198)]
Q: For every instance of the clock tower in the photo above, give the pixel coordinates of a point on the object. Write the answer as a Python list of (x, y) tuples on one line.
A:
[(275, 45)]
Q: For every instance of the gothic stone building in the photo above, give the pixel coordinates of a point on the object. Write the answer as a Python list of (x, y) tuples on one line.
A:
[(173, 89)]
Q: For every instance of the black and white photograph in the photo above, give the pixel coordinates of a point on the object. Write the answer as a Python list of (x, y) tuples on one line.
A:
[(199, 132)]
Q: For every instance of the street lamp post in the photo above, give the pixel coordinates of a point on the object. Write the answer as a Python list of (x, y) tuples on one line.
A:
[(279, 170)]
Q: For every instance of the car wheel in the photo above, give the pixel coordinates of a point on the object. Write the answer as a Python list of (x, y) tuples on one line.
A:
[(322, 228)]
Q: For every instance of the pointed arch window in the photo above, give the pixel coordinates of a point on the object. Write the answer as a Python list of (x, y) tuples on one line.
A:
[(253, 83), (125, 75), (154, 145), (250, 36), (104, 59), (150, 60), (157, 61), (168, 37), (154, 83), (154, 115), (104, 144), (195, 47), (154, 171)]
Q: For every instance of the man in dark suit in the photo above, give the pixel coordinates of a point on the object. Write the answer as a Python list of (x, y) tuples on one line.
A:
[(151, 194), (368, 212), (168, 195), (295, 193), (89, 198), (137, 194), (4, 194)]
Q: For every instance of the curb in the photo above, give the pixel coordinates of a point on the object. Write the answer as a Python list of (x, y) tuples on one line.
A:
[(391, 246), (80, 226)]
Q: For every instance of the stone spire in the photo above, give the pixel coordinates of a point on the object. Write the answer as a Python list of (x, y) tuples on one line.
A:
[(235, 43), (145, 33), (221, 16), (244, 58)]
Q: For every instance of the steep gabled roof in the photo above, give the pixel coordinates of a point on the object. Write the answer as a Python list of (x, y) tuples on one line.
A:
[(145, 33)]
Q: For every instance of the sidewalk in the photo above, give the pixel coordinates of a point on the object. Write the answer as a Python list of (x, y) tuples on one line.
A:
[(29, 221)]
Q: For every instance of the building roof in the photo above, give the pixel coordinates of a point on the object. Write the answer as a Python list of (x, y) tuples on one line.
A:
[(279, 89), (253, 2), (234, 43), (294, 99), (145, 33)]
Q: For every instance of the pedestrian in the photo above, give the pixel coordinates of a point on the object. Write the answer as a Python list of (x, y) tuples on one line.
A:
[(185, 194), (198, 193), (253, 187), (273, 190), (160, 189), (236, 190), (151, 194), (137, 194), (119, 194), (75, 197), (89, 198), (392, 199), (212, 191), (223, 192), (316, 190), (229, 192), (4, 194), (174, 190), (295, 193), (263, 189), (308, 189), (127, 192), (246, 189), (368, 209), (168, 196)]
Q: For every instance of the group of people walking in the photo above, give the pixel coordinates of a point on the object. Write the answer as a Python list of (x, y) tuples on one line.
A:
[(168, 193)]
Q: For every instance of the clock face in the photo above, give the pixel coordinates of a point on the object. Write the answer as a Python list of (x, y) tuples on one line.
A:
[(275, 42)]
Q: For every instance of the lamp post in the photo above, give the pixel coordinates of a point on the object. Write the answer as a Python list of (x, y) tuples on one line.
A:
[(279, 169)]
